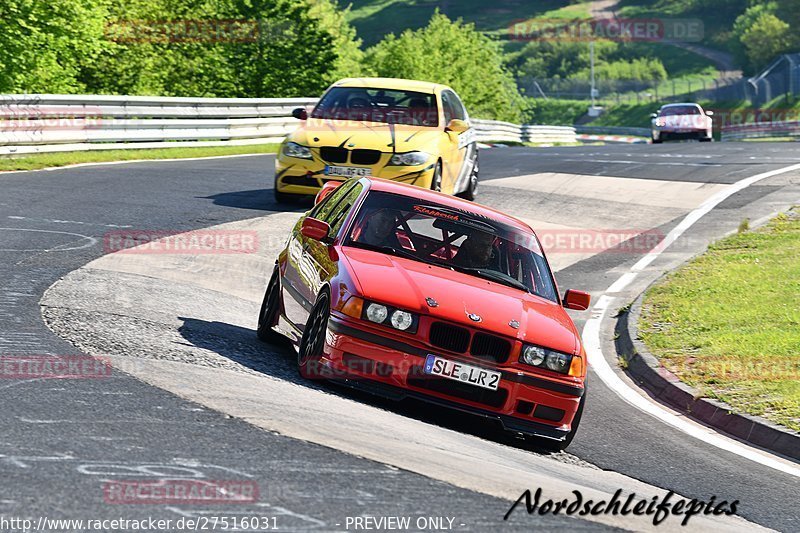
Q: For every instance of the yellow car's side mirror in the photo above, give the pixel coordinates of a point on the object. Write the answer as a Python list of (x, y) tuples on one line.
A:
[(457, 126)]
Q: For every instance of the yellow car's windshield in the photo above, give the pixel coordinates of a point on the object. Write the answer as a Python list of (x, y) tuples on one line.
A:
[(390, 106)]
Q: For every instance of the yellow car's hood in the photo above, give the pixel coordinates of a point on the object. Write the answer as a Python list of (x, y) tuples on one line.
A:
[(366, 135)]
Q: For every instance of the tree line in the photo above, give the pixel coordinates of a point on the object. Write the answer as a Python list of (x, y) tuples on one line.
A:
[(286, 48), (234, 48)]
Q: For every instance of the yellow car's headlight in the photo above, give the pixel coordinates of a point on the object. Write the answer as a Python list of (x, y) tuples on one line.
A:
[(292, 149), (409, 159)]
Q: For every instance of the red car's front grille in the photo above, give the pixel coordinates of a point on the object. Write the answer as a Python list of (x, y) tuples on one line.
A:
[(490, 347), (457, 339), (449, 337)]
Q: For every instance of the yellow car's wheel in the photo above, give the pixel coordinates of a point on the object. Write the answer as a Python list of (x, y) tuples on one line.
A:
[(436, 180), (281, 197)]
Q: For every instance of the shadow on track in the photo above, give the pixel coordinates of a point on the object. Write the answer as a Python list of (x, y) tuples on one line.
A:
[(280, 361), (259, 199)]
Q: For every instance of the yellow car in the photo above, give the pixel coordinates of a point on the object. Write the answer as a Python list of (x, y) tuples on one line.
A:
[(410, 131)]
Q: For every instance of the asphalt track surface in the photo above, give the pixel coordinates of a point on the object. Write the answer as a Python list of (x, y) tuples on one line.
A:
[(62, 439)]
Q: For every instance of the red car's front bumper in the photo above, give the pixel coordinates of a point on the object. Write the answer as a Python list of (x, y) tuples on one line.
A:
[(393, 367)]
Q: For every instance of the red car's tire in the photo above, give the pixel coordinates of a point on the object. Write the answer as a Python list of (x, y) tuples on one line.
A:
[(313, 340), (270, 308), (557, 446)]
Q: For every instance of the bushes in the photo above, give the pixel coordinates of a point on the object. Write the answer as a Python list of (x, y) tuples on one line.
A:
[(762, 35), (130, 47), (43, 43), (554, 112), (455, 54)]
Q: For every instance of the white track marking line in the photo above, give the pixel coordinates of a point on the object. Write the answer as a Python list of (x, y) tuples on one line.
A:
[(598, 362), (680, 196), (100, 163), (60, 248), (51, 221), (631, 162)]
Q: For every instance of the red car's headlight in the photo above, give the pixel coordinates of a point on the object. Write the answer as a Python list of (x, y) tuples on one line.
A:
[(390, 316), (377, 313), (563, 363)]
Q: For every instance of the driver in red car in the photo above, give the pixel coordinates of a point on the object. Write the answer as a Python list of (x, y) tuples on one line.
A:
[(380, 229), (475, 251)]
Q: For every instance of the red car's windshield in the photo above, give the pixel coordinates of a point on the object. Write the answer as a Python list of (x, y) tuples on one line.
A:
[(452, 238), (391, 106)]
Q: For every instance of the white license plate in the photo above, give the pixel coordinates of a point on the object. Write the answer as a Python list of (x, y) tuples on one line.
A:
[(347, 172), (474, 375)]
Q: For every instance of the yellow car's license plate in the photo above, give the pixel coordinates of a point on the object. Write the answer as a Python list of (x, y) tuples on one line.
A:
[(347, 172)]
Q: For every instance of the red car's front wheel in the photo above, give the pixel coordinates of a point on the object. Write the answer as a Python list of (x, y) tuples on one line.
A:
[(313, 340), (270, 308), (557, 446)]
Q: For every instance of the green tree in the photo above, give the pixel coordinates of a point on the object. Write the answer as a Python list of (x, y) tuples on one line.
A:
[(350, 57), (767, 37), (282, 48), (42, 43), (762, 35), (455, 54)]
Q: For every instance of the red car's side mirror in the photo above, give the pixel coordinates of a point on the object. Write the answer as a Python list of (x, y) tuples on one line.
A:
[(577, 300), (300, 113), (314, 229), (326, 190)]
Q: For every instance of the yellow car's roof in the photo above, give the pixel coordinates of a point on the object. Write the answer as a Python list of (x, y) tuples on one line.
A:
[(391, 83)]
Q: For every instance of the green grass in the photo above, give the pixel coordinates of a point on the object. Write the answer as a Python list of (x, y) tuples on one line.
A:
[(728, 322), (630, 115), (677, 61), (373, 19), (37, 161), (717, 17)]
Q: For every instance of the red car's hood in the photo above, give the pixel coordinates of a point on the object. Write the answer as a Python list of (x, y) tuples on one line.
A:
[(406, 284)]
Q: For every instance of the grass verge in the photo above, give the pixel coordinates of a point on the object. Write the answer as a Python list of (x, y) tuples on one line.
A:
[(38, 161), (728, 322)]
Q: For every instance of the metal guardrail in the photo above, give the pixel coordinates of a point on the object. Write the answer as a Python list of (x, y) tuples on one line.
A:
[(760, 130), (495, 130), (613, 130), (60, 123)]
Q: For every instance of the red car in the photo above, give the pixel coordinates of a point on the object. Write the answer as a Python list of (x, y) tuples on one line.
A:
[(406, 292)]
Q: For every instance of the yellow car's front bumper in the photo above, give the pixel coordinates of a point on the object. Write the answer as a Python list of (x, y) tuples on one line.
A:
[(306, 176)]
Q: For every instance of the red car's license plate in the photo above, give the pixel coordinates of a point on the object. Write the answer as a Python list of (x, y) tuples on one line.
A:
[(474, 375)]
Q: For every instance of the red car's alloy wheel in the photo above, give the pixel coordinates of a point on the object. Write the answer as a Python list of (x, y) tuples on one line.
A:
[(270, 307), (313, 340)]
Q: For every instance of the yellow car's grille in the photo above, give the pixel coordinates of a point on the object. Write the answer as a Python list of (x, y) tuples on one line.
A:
[(365, 157), (333, 154), (337, 154)]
